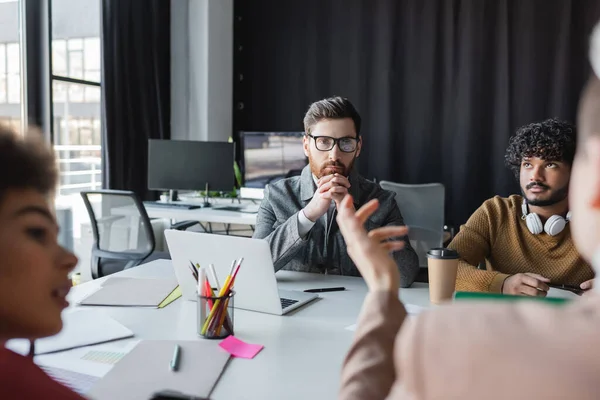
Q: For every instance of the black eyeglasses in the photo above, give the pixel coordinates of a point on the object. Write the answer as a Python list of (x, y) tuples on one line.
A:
[(325, 143)]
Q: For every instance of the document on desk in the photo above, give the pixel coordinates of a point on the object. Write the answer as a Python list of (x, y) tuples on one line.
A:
[(145, 370), (131, 292), (79, 369), (562, 294), (96, 360), (80, 328)]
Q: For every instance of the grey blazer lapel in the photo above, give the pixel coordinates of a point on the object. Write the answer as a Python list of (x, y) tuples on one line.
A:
[(307, 185)]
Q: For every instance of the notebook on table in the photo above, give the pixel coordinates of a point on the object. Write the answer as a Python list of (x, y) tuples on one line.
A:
[(145, 370), (482, 296), (131, 292)]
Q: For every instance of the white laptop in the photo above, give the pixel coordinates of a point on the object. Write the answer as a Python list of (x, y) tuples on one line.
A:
[(255, 285)]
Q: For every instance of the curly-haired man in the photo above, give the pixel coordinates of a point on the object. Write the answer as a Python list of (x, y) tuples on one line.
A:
[(525, 241)]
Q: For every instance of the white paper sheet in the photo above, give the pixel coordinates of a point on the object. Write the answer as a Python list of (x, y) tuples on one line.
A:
[(562, 294), (80, 328), (76, 381), (90, 360)]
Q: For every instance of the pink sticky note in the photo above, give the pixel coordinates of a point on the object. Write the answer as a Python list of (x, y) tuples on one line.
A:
[(237, 348)]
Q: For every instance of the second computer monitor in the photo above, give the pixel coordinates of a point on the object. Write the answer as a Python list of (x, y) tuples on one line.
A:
[(270, 156), (190, 165)]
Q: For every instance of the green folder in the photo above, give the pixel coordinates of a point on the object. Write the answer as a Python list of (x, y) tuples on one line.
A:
[(482, 296)]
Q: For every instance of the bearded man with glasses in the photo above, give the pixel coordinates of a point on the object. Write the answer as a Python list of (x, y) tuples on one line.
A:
[(297, 215)]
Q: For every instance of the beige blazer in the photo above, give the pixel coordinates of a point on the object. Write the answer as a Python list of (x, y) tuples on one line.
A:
[(522, 350)]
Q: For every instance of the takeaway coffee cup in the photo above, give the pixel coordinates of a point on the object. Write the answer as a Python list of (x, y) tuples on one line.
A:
[(442, 265)]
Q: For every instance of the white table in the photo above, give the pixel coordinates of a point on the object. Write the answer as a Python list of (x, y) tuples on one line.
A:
[(303, 352), (208, 214)]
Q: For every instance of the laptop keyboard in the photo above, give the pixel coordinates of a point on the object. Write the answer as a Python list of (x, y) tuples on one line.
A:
[(171, 205), (285, 303)]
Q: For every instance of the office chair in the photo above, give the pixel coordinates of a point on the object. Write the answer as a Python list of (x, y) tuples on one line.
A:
[(422, 207), (123, 236)]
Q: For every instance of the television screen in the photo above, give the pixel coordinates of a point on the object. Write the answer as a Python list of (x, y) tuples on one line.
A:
[(270, 156)]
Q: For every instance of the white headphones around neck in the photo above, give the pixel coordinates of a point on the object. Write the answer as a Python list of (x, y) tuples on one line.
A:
[(555, 224)]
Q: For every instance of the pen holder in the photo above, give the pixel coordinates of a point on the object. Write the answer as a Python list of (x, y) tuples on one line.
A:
[(215, 316)]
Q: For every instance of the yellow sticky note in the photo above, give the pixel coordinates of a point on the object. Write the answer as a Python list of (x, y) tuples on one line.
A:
[(174, 295)]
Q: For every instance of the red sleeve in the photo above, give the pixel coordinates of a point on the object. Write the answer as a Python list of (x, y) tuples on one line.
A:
[(20, 378)]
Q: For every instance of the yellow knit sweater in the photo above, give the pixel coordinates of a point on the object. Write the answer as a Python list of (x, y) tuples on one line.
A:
[(497, 234)]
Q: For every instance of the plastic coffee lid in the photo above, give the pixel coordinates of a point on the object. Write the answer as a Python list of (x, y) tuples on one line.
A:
[(442, 254)]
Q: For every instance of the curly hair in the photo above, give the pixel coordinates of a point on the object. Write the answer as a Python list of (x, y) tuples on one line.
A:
[(550, 140), (27, 161)]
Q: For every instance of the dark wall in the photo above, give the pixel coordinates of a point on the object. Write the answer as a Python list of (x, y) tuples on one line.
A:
[(441, 84)]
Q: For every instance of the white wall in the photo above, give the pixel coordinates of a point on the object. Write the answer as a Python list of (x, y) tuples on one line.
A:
[(201, 69), (179, 69)]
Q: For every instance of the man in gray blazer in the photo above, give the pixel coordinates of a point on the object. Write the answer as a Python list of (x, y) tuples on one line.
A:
[(297, 215)]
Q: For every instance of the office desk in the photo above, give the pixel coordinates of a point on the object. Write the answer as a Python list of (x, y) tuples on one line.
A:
[(207, 214), (303, 352)]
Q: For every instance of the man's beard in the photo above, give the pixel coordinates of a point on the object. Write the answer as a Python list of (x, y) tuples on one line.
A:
[(556, 196), (321, 170)]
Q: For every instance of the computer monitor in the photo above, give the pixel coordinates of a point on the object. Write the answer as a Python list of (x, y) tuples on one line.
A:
[(190, 165), (270, 156)]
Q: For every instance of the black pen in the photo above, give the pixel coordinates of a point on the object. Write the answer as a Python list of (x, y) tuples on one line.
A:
[(194, 271), (331, 289)]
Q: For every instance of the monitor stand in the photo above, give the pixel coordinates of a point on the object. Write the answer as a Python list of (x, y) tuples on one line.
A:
[(206, 203), (174, 198)]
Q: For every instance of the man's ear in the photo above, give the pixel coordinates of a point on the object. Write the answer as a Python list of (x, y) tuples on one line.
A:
[(358, 146), (592, 149), (306, 145)]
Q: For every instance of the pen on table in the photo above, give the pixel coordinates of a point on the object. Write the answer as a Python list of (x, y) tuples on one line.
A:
[(174, 365), (321, 290)]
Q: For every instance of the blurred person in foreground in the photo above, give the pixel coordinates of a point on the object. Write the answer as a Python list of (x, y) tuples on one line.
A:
[(34, 268), (521, 350)]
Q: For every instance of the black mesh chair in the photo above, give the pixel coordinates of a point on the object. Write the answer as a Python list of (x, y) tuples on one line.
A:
[(123, 235), (422, 207)]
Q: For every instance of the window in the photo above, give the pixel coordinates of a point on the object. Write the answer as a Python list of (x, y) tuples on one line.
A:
[(10, 65), (76, 93), (75, 49)]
